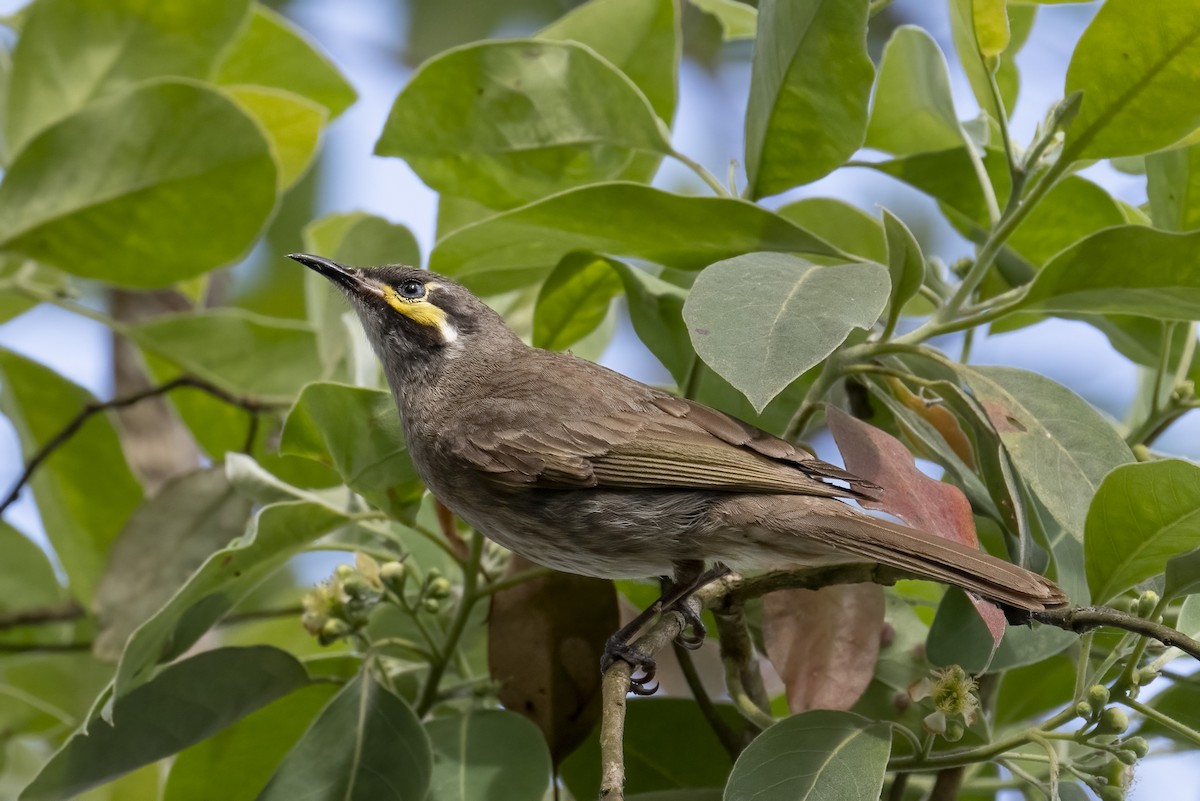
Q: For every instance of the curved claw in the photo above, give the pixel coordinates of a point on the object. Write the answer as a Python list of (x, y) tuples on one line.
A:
[(641, 689), (691, 641)]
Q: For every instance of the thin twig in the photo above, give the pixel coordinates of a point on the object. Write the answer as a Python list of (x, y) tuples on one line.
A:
[(42, 616), (1085, 618), (728, 737), (251, 405)]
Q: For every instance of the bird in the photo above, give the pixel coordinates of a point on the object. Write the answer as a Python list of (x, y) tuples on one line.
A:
[(582, 469)]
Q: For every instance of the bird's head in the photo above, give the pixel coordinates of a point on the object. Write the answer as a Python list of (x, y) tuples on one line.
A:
[(416, 320)]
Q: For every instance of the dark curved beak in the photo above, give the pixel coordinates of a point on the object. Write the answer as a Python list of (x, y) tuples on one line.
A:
[(346, 277)]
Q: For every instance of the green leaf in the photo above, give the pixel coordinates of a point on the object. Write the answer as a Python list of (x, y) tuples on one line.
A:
[(367, 745), (519, 247), (187, 702), (991, 27), (1173, 184), (1073, 209), (277, 533), (164, 542), (845, 226), (913, 110), (737, 20), (978, 28), (1059, 444), (357, 432), (1137, 65), (574, 300), (1094, 275), (292, 124), (656, 311), (762, 319), (271, 51), (72, 52), (485, 749), (809, 87), (150, 187), (819, 754), (668, 745), (235, 764), (1183, 574), (641, 38), (84, 491), (906, 265), (1143, 515), (27, 581), (508, 122), (267, 358), (958, 636)]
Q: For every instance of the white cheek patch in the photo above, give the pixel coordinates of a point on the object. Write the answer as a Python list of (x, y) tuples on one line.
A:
[(448, 331)]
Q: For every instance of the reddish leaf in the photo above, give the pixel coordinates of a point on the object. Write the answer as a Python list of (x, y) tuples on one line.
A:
[(909, 494), (545, 637), (824, 643)]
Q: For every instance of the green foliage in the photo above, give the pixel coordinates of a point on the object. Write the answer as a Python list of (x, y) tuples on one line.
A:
[(160, 638)]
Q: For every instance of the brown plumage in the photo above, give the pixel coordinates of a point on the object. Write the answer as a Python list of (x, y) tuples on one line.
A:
[(579, 468)]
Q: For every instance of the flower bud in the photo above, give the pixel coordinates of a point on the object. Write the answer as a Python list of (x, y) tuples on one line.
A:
[(1084, 710), (439, 587), (357, 588), (1126, 756), (1110, 792), (1097, 696), (1147, 602), (431, 605), (333, 630), (954, 731), (343, 572), (1112, 721), (1137, 745), (393, 576)]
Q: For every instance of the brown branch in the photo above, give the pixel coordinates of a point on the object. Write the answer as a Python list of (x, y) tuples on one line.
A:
[(1085, 618), (251, 405), (42, 616)]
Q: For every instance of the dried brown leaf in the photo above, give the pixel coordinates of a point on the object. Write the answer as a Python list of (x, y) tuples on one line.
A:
[(824, 643), (545, 638)]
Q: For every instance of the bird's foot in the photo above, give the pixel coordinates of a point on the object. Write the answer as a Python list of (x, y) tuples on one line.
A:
[(641, 681), (692, 635)]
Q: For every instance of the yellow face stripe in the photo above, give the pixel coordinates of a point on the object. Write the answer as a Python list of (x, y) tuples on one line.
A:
[(421, 311)]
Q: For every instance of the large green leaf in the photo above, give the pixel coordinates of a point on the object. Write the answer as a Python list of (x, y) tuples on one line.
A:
[(1173, 185), (1137, 65), (841, 224), (271, 51), (277, 533), (819, 754), (267, 358), (574, 300), (357, 432), (913, 110), (167, 538), (809, 87), (958, 636), (184, 704), (1059, 444), (641, 38), (84, 491), (1143, 515), (507, 122), (27, 582), (235, 764), (762, 319), (143, 189), (72, 52), (518, 247), (292, 124), (478, 752), (367, 745), (1095, 275)]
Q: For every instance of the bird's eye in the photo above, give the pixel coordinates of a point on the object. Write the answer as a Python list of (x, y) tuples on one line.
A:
[(411, 290)]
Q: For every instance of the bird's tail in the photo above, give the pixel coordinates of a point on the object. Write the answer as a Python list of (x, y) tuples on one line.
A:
[(818, 526)]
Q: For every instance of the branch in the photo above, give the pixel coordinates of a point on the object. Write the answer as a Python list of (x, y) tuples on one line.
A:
[(251, 405), (41, 616), (1081, 619)]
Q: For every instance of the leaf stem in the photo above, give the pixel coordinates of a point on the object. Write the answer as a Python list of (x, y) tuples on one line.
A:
[(704, 174), (437, 668), (1165, 721)]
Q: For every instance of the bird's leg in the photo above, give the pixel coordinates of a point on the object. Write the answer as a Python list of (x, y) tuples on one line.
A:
[(676, 596)]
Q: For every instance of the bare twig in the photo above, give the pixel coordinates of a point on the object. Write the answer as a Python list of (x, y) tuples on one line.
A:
[(42, 616), (251, 405), (1085, 618)]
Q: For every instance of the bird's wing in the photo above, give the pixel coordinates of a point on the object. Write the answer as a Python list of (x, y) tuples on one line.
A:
[(667, 443)]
